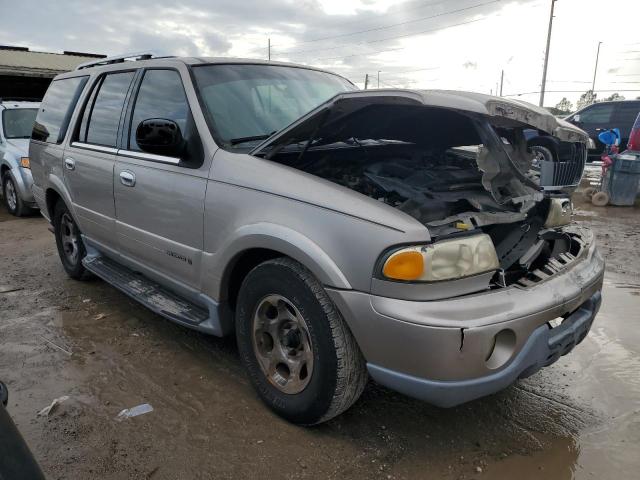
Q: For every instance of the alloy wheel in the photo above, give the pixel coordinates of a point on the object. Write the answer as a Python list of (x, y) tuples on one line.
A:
[(282, 344), (69, 237)]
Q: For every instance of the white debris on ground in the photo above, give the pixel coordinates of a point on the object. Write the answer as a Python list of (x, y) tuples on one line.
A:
[(46, 411), (134, 411)]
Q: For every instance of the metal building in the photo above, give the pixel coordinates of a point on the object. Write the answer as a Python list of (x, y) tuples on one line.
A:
[(27, 74)]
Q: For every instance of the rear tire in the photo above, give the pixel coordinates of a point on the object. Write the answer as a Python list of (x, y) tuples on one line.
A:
[(69, 242), (300, 355), (11, 197)]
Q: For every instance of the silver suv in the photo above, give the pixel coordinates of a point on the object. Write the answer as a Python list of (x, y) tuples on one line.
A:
[(16, 123), (337, 233)]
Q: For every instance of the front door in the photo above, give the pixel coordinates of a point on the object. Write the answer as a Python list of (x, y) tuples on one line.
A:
[(90, 158), (159, 200)]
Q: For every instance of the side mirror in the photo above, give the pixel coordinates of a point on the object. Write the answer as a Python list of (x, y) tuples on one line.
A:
[(160, 136), (576, 118)]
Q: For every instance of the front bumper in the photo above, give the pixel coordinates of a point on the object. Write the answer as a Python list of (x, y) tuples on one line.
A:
[(451, 351)]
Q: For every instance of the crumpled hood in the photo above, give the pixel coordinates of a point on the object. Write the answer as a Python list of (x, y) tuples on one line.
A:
[(503, 177), (500, 108)]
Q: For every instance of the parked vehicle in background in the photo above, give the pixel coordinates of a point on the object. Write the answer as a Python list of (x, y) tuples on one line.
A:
[(634, 137), (602, 116), (16, 124), (337, 233)]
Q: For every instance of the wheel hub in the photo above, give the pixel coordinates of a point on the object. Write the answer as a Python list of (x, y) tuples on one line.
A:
[(282, 344), (69, 237)]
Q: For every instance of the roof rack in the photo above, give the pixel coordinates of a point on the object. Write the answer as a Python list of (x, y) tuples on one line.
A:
[(135, 56)]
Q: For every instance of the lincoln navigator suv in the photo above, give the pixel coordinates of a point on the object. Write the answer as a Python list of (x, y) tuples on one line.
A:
[(337, 233)]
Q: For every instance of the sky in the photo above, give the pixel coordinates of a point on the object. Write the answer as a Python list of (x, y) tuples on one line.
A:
[(445, 44)]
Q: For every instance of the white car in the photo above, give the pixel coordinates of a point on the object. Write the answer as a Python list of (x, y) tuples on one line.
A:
[(16, 123)]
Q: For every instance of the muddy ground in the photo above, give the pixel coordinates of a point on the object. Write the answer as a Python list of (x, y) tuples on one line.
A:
[(579, 418)]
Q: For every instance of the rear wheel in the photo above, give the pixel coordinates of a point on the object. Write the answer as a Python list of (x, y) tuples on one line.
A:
[(69, 242), (299, 353), (12, 199)]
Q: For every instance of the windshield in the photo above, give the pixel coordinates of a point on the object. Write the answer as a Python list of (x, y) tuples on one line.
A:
[(18, 122), (248, 103)]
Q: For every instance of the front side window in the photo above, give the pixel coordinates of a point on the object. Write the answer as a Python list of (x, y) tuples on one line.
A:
[(18, 122), (101, 117), (56, 108), (247, 103), (597, 114), (161, 95)]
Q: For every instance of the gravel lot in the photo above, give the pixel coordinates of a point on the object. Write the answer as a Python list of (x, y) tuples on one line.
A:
[(579, 418)]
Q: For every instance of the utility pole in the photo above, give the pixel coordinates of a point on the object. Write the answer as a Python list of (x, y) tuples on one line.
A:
[(501, 81), (366, 81), (269, 49), (546, 55), (379, 78), (595, 70)]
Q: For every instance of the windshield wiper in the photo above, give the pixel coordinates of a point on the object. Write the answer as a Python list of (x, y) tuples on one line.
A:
[(236, 141)]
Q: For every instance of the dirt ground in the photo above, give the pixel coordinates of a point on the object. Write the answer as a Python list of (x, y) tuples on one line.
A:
[(579, 418)]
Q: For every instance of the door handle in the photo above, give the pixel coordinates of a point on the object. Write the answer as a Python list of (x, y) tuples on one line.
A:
[(127, 178), (69, 163)]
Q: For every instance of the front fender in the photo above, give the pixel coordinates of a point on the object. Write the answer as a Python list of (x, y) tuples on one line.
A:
[(22, 178), (273, 237)]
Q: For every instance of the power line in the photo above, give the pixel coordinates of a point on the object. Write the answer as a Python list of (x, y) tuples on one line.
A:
[(401, 36), (385, 27), (569, 91), (421, 32), (402, 12)]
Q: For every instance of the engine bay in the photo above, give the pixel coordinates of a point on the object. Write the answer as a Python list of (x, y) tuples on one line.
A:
[(442, 168)]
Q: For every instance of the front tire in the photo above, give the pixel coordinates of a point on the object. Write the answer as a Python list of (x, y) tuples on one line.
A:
[(300, 355), (12, 199), (69, 242)]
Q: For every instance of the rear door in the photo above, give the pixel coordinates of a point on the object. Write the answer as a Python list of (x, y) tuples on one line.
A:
[(89, 160), (624, 116), (159, 200)]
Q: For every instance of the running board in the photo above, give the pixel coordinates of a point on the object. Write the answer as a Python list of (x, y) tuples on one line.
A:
[(149, 293)]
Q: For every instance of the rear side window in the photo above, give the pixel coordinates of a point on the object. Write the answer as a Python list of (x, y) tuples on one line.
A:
[(161, 95), (56, 109), (101, 117), (626, 114)]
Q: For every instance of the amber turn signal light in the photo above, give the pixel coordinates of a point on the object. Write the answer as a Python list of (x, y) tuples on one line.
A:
[(404, 265)]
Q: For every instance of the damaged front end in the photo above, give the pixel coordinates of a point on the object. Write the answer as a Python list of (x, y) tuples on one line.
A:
[(457, 162)]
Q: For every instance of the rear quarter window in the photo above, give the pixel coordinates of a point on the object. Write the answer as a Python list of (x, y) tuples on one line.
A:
[(56, 109)]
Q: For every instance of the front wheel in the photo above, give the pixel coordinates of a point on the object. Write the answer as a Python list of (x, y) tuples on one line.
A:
[(12, 199), (300, 355), (69, 242)]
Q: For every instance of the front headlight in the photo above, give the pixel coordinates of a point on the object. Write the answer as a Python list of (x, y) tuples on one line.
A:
[(444, 260), (560, 212), (24, 162)]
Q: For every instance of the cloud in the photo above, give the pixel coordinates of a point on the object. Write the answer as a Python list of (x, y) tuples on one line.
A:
[(470, 65)]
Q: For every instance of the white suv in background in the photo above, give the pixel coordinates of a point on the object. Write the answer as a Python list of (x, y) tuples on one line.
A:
[(16, 123)]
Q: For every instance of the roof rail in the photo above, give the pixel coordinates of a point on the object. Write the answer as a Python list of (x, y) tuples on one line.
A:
[(120, 58)]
